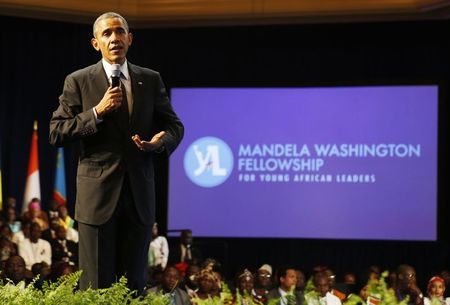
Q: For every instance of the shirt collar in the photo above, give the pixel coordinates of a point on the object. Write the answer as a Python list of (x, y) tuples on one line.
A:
[(123, 68)]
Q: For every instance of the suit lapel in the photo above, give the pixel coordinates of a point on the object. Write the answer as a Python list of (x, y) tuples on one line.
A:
[(99, 80), (137, 88)]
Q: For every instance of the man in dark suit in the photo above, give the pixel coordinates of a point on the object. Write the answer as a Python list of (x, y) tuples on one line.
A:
[(185, 250), (169, 285), (115, 180), (285, 293)]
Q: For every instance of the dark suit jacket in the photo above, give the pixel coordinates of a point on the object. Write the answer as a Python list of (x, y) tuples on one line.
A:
[(107, 151), (180, 297), (175, 253), (275, 294)]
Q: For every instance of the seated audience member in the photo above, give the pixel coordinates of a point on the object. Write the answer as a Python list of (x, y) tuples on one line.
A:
[(52, 209), (407, 285), (245, 294), (35, 214), (34, 249), (60, 269), (301, 281), (333, 289), (285, 292), (445, 274), (7, 248), (207, 284), (11, 220), (216, 267), (185, 250), (43, 271), (245, 283), (436, 289), (158, 253), (392, 280), (360, 297), (22, 234), (15, 270), (50, 233), (63, 249), (349, 278), (65, 220), (263, 282), (321, 295), (190, 283), (9, 203), (169, 285), (5, 231)]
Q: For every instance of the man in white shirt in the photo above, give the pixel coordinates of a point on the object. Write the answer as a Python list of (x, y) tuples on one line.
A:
[(321, 295), (34, 249)]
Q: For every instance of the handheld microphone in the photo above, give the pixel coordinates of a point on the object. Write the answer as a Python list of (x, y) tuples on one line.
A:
[(115, 75)]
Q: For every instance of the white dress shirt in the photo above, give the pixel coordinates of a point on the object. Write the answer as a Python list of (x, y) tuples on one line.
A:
[(34, 253), (125, 79)]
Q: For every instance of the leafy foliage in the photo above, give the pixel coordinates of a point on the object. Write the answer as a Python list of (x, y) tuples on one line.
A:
[(65, 292)]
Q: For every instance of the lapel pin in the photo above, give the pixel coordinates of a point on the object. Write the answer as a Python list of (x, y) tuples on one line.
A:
[(140, 83)]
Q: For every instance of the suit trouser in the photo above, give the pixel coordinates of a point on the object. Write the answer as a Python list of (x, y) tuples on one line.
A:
[(115, 248)]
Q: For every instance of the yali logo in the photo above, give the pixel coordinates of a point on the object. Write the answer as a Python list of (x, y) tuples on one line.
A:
[(208, 162)]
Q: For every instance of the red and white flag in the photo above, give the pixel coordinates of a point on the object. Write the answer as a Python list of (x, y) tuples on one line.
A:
[(32, 186)]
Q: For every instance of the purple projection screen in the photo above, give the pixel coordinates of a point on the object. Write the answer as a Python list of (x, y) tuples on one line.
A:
[(326, 162)]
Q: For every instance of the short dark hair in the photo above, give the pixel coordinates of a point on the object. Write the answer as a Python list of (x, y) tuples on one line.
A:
[(109, 15), (282, 271)]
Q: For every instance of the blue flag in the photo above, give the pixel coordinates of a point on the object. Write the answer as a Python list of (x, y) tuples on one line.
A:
[(59, 191)]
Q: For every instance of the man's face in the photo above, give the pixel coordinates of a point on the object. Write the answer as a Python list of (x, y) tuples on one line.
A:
[(288, 281), (407, 278), (322, 285), (112, 40), (190, 275), (15, 268), (264, 278), (300, 279), (186, 238), (35, 232), (61, 233), (170, 279)]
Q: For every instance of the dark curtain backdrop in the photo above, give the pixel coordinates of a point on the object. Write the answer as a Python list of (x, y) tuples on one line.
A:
[(35, 57)]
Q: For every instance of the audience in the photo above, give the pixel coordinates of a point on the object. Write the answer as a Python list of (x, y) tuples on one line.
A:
[(35, 214), (65, 220), (34, 249), (301, 281), (322, 293), (24, 255), (11, 220), (263, 282), (64, 250), (407, 285), (15, 270), (436, 289), (169, 285), (286, 292), (190, 280), (208, 284)]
